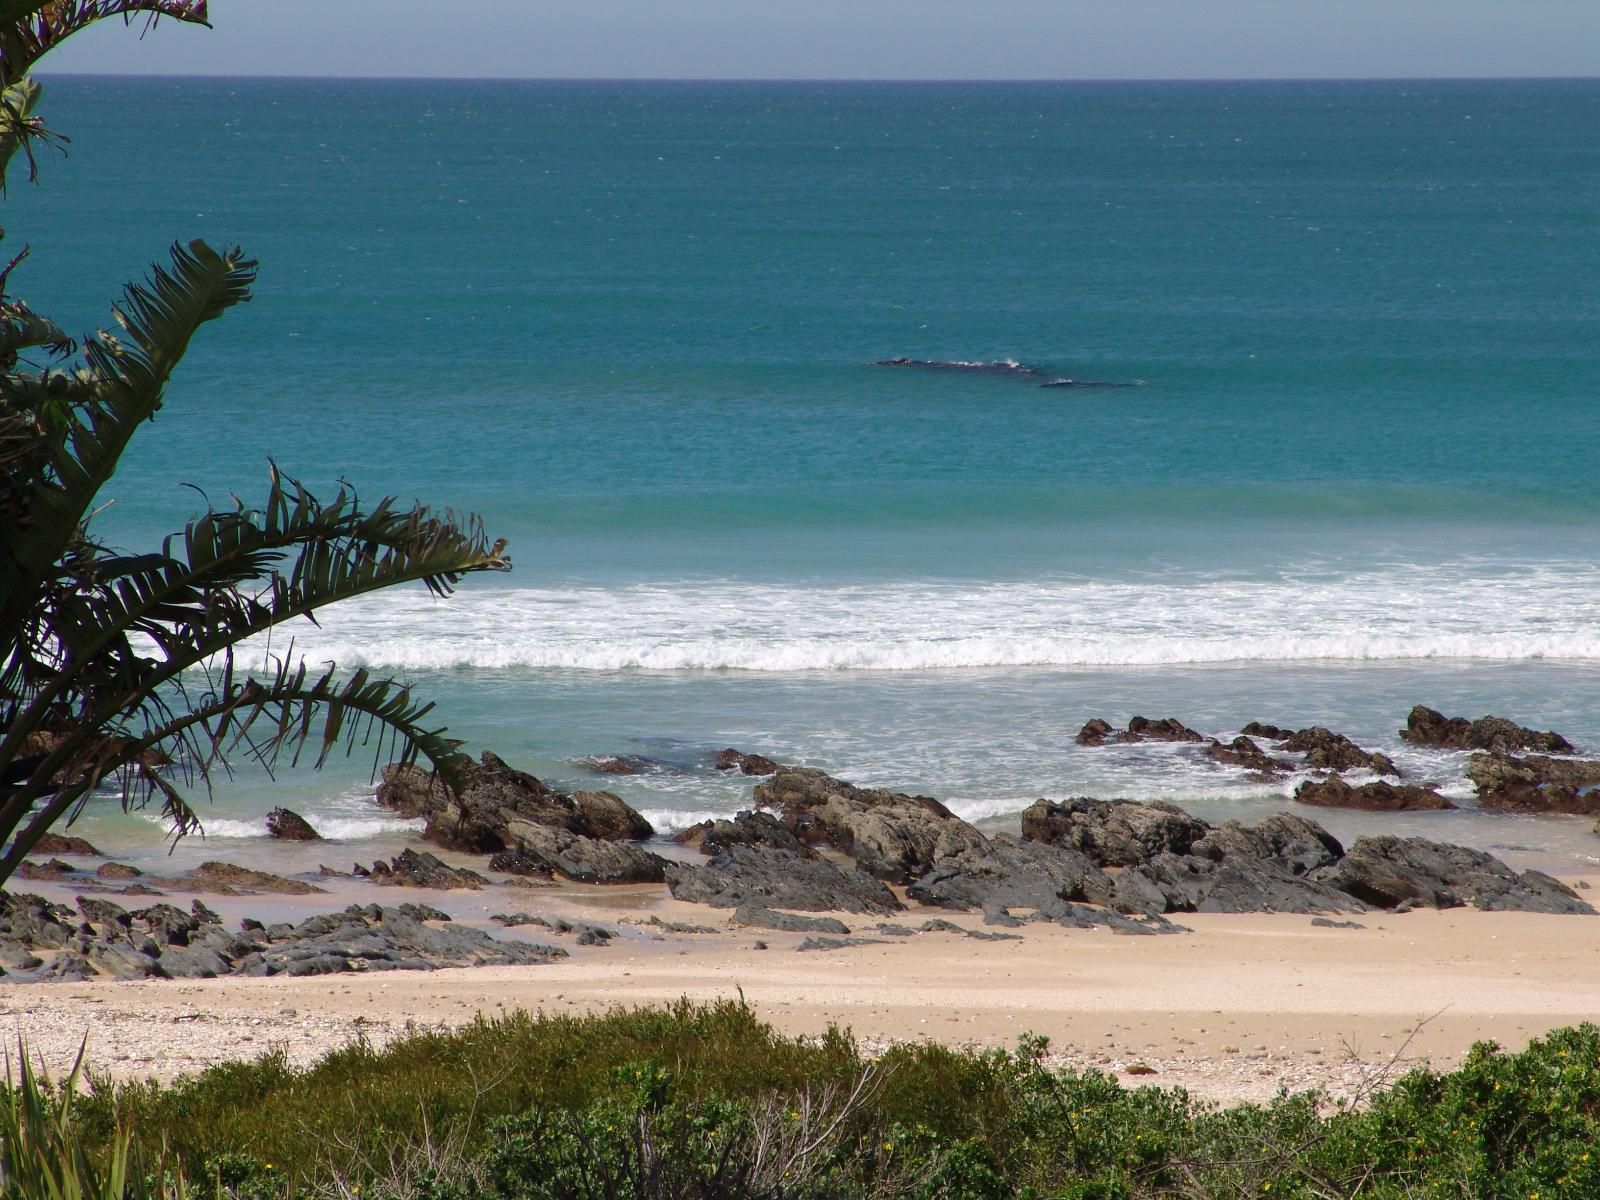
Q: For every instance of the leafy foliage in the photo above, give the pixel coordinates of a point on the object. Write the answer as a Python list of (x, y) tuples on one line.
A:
[(116, 669)]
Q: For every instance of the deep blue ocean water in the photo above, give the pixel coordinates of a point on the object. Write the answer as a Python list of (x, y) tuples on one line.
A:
[(632, 325)]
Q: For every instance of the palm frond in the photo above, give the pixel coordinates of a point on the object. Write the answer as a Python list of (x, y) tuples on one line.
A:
[(29, 29)]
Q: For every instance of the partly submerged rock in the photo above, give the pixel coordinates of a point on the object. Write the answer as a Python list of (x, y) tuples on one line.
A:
[(1377, 796), (288, 825), (1536, 783), (55, 843), (1325, 750), (1098, 732), (746, 764), (1428, 727)]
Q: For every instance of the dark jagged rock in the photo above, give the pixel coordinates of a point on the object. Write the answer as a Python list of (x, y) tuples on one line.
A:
[(759, 917), (1536, 783), (512, 920), (779, 879), (1272, 733), (1242, 752), (829, 943), (582, 859), (678, 926), (1166, 729), (55, 843), (1057, 883), (891, 835), (746, 829), (1095, 732), (1377, 796), (53, 868), (1325, 750), (746, 764), (412, 869), (1427, 727), (522, 864), (613, 764), (1113, 833), (290, 826), (495, 797), (1387, 872), (1296, 844), (1232, 884)]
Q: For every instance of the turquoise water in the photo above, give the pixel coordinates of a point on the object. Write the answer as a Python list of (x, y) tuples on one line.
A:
[(632, 325)]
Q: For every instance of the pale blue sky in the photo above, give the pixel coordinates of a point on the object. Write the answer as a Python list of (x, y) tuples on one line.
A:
[(863, 39)]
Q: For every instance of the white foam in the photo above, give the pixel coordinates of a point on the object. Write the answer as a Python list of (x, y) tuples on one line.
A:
[(1457, 611), (333, 828)]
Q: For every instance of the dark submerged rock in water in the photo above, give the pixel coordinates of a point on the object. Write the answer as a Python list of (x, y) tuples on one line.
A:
[(1242, 752), (1536, 783), (1377, 796), (891, 835), (1098, 732), (1325, 750), (1272, 733), (1387, 872), (779, 879), (746, 764), (290, 826), (1427, 727)]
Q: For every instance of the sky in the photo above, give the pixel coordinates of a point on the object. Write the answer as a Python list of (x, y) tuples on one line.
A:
[(861, 39)]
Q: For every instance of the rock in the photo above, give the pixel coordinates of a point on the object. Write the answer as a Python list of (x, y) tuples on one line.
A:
[(1233, 884), (1113, 833), (892, 836), (746, 764), (1325, 750), (512, 920), (290, 826), (523, 865), (1056, 882), (746, 829), (1328, 923), (1167, 729), (1242, 752), (233, 880), (52, 869), (412, 869), (1388, 872), (1426, 727), (116, 870), (1377, 796), (55, 843), (772, 878), (1296, 844), (579, 858), (1536, 783), (1095, 732), (603, 815), (1271, 732), (611, 764), (760, 917), (828, 943)]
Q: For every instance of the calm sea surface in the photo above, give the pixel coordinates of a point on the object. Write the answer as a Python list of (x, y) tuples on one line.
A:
[(632, 325)]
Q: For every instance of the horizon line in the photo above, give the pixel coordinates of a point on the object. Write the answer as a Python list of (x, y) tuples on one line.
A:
[(798, 79)]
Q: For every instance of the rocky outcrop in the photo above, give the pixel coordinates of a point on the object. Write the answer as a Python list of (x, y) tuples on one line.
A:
[(1391, 872), (1233, 883), (891, 835), (1242, 752), (772, 878), (1377, 796), (1325, 750), (1097, 732), (1427, 727), (290, 826), (164, 942), (55, 843), (746, 829), (530, 828), (229, 880), (1536, 783), (410, 868), (746, 764), (1113, 833), (1296, 844)]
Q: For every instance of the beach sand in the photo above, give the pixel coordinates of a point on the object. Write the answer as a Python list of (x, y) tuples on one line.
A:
[(1234, 1010)]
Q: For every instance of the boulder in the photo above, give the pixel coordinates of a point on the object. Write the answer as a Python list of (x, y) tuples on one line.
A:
[(1235, 883), (1006, 872), (290, 826), (1387, 872), (772, 878), (603, 815), (1377, 796), (1113, 833), (1095, 732), (412, 869), (231, 880), (1294, 843), (1325, 750), (55, 843), (1427, 727), (746, 764), (746, 829), (1536, 783), (893, 836), (577, 857)]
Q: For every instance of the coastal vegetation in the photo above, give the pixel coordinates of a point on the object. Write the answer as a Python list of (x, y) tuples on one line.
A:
[(117, 668), (708, 1101)]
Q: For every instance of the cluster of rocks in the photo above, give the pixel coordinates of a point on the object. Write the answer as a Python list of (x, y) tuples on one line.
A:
[(1319, 749), (818, 844), (530, 828), (43, 940)]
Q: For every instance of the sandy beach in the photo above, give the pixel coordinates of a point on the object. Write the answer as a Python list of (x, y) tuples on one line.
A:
[(1233, 1010)]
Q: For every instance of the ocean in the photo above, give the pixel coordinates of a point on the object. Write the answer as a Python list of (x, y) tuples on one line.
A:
[(633, 325)]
